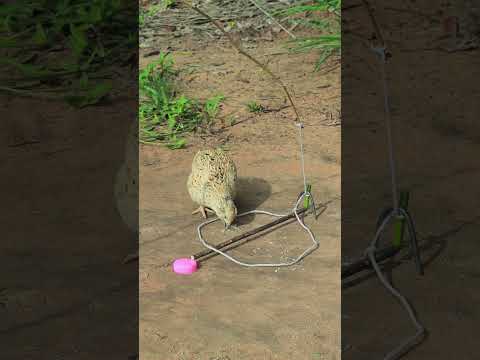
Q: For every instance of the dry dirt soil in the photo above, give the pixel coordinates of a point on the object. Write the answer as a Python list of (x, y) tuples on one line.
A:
[(64, 292), (435, 109), (225, 311)]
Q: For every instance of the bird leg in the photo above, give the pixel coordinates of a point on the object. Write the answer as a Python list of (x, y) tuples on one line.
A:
[(230, 228), (203, 210)]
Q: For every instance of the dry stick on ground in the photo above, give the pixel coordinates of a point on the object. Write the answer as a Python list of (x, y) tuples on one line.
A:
[(247, 55), (330, 69), (236, 239), (244, 53), (206, 252), (265, 111), (374, 22)]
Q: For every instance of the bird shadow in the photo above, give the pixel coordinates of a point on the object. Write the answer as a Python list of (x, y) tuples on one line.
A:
[(252, 192)]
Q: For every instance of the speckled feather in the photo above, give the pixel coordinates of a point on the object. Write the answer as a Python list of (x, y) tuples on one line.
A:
[(212, 181)]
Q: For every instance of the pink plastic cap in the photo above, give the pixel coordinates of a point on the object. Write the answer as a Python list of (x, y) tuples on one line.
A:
[(185, 266)]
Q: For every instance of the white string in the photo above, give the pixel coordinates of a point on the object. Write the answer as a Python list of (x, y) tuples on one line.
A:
[(370, 251), (273, 19), (396, 212), (242, 263), (381, 52), (304, 194), (300, 129)]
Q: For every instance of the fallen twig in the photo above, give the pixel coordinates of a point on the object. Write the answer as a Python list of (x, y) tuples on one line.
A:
[(267, 110), (237, 238)]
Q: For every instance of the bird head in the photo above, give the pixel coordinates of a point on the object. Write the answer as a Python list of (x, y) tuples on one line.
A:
[(226, 211)]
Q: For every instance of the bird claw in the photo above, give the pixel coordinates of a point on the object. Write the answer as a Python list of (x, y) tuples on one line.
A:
[(203, 210), (231, 228)]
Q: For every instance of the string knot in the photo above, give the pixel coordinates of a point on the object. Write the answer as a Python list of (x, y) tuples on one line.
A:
[(381, 52)]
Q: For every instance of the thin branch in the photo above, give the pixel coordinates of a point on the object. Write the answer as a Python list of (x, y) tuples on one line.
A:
[(247, 55), (374, 22), (272, 18)]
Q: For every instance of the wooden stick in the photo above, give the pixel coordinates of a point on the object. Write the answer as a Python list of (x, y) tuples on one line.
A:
[(238, 47), (237, 238), (364, 263)]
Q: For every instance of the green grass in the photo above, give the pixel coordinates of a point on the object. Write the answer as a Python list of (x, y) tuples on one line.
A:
[(65, 49), (328, 40), (152, 10), (165, 116), (211, 108), (254, 107)]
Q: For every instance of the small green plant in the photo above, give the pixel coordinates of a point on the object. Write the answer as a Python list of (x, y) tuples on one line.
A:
[(165, 116), (147, 12), (254, 107), (328, 42), (231, 120), (212, 107)]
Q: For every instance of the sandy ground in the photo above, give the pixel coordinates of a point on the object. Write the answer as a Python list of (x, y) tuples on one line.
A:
[(225, 311), (64, 292), (435, 115)]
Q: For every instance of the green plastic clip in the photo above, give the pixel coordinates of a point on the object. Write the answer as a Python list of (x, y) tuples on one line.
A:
[(306, 199), (400, 224)]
